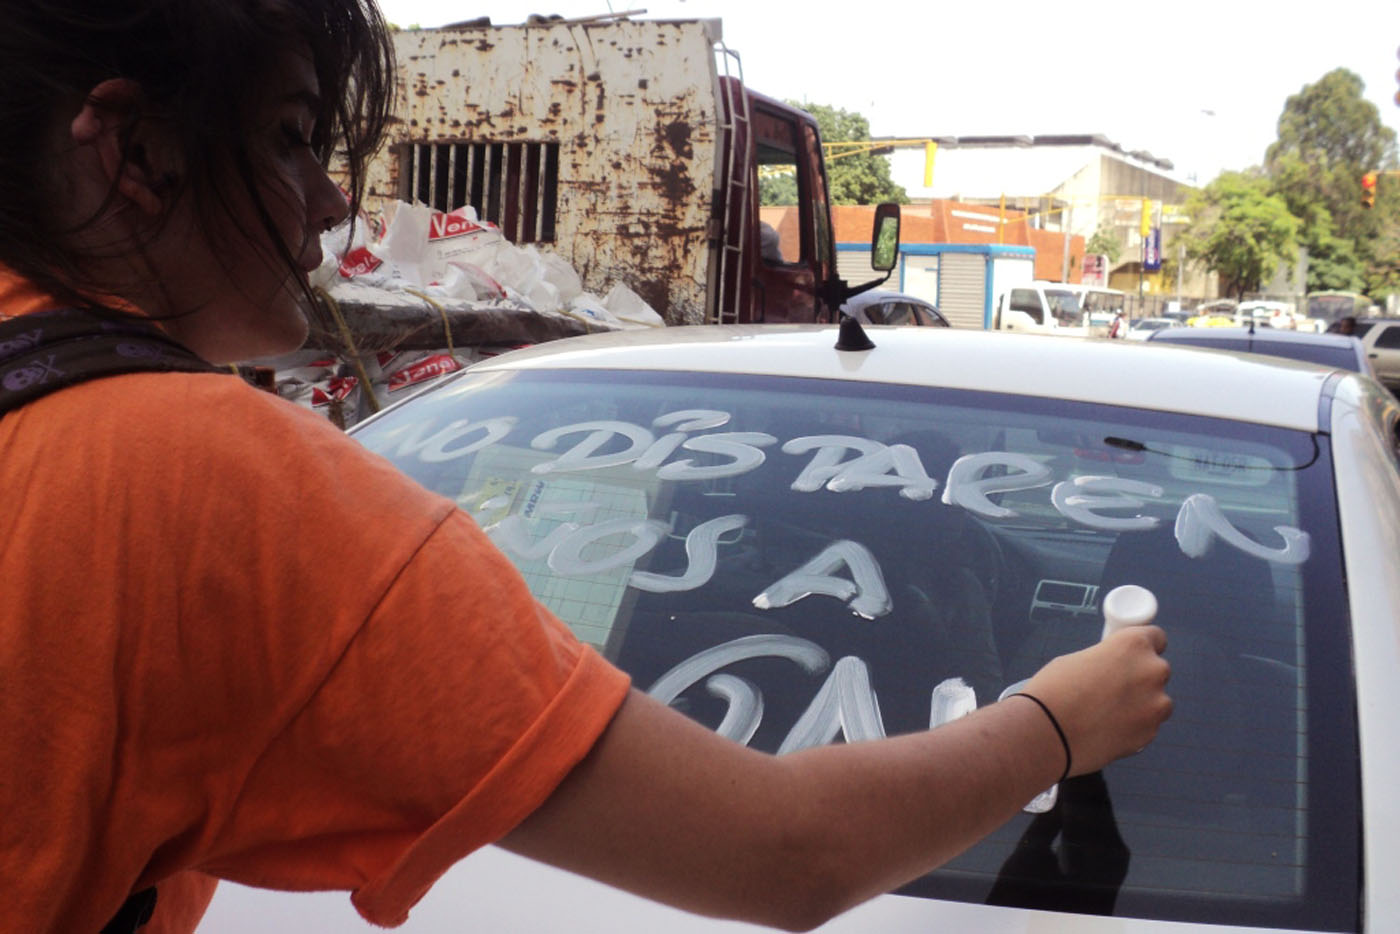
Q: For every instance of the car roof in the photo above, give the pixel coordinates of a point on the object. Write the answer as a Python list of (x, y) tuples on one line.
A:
[(1244, 387)]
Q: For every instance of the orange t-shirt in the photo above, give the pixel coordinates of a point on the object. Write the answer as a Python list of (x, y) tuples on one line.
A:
[(232, 641)]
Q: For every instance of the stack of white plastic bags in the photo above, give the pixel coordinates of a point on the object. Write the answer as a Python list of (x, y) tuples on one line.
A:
[(452, 260)]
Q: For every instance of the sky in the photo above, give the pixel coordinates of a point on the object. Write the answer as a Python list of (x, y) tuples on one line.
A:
[(1201, 84)]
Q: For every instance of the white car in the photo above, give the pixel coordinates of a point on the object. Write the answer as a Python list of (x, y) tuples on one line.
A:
[(797, 539), (1140, 329), (1281, 316), (878, 306), (1381, 339)]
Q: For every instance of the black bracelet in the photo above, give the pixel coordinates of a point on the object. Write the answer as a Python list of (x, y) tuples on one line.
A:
[(1053, 722)]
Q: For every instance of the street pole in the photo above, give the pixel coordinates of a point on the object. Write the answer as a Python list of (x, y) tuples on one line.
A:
[(1064, 274), (1144, 229), (1180, 261), (1142, 261)]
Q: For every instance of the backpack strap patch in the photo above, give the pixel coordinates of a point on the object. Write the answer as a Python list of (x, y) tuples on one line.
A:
[(46, 351)]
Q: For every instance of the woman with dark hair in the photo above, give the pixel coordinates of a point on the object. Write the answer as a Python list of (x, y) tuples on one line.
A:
[(193, 688)]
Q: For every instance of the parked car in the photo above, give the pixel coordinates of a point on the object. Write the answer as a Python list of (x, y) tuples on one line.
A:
[(1220, 306), (797, 544), (1381, 339), (1212, 320), (1268, 314), (1142, 328), (878, 306), (1335, 350)]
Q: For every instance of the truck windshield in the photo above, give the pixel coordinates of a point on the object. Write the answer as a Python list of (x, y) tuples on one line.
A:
[(1064, 306)]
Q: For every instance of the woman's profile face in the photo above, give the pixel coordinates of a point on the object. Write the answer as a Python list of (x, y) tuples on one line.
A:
[(249, 302)]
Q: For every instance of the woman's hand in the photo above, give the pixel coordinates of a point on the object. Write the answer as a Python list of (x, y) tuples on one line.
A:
[(1110, 698)]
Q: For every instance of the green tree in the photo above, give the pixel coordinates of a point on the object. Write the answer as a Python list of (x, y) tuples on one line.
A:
[(1105, 241), (1329, 135), (1331, 124), (1382, 253), (776, 186), (863, 178), (1240, 230), (1333, 262)]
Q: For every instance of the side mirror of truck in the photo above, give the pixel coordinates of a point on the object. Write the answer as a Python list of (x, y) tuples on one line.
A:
[(884, 253), (884, 239)]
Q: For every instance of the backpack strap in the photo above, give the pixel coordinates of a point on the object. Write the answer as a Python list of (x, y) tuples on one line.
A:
[(46, 351)]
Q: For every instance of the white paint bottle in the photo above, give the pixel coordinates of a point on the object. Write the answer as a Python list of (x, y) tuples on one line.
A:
[(1128, 605)]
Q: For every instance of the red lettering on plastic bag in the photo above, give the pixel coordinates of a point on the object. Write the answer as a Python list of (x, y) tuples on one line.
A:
[(425, 369), (358, 262), (338, 389), (446, 226)]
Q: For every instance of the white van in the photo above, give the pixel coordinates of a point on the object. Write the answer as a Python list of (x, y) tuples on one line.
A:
[(1045, 307)]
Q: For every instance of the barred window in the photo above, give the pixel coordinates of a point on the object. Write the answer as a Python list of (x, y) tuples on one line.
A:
[(512, 185)]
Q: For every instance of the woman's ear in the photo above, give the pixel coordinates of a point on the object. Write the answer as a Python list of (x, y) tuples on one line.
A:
[(109, 122)]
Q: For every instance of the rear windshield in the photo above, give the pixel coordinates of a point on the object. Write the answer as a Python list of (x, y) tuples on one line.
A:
[(798, 562)]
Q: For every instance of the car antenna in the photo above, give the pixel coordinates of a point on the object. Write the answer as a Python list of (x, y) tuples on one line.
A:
[(853, 336)]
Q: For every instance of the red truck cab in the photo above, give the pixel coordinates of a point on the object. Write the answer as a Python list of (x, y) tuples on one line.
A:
[(769, 274)]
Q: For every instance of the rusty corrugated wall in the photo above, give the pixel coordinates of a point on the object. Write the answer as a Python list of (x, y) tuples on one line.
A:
[(632, 107)]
